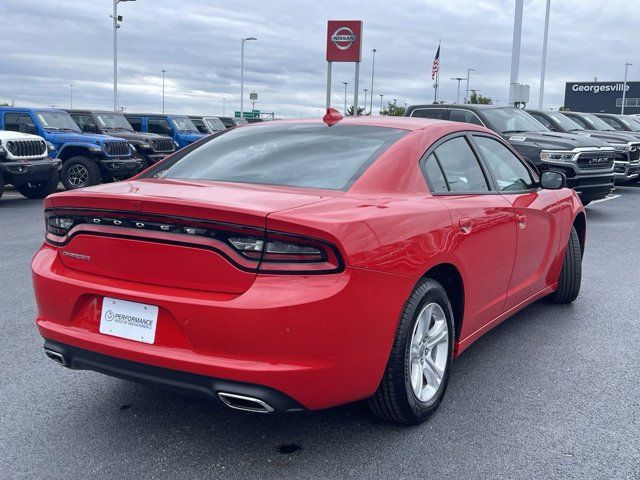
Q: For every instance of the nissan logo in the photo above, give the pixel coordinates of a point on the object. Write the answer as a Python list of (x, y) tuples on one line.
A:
[(343, 38)]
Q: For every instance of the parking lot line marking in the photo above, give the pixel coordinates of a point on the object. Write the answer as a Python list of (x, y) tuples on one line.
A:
[(610, 197)]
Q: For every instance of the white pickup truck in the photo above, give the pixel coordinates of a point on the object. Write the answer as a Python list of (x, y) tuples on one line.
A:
[(25, 164)]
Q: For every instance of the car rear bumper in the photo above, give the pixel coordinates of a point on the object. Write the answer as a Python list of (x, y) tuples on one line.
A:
[(182, 382), (322, 340)]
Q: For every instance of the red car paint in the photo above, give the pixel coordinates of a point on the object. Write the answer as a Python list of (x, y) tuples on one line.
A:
[(322, 339)]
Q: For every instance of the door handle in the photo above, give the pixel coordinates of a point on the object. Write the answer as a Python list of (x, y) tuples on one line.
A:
[(522, 220), (465, 225)]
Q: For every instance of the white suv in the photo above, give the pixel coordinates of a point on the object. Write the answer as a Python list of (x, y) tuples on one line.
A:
[(25, 163)]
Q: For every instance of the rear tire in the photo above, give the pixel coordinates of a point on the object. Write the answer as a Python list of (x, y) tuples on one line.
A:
[(41, 189), (396, 399), (571, 273), (79, 172)]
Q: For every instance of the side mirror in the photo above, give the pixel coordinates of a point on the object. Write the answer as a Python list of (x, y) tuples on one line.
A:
[(552, 180)]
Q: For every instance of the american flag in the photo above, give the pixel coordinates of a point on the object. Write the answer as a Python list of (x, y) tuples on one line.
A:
[(436, 64)]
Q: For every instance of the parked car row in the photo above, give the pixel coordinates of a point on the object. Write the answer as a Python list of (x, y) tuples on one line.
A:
[(594, 151), (83, 147)]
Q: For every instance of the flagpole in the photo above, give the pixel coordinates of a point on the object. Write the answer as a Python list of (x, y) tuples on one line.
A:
[(435, 86)]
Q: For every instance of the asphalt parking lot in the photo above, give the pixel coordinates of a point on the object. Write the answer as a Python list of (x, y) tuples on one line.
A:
[(554, 392)]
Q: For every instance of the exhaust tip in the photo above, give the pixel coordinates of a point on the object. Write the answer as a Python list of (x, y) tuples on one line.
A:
[(56, 357), (244, 403)]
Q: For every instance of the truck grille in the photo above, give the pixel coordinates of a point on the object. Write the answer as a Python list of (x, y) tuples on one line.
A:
[(162, 145), (26, 148), (117, 149), (595, 160), (634, 152)]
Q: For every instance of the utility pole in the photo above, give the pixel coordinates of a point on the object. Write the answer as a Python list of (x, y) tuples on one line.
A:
[(373, 69), (71, 95), (242, 74), (466, 92), (365, 101), (163, 72), (116, 26), (381, 95)]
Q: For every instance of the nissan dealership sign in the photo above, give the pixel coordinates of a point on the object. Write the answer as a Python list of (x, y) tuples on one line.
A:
[(344, 40), (602, 96)]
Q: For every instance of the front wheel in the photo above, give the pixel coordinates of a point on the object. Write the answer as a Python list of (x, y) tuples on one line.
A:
[(417, 372), (40, 189), (571, 273), (78, 172)]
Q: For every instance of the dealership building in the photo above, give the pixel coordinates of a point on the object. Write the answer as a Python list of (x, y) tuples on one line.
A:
[(602, 97)]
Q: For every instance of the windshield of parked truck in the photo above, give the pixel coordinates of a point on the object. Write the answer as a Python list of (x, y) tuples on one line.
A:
[(565, 122), (113, 121), (184, 124), (596, 123), (57, 121), (215, 124), (632, 124), (512, 120)]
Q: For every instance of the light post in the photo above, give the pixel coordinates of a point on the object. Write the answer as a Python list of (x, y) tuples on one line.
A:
[(543, 67), (365, 101), (163, 72), (466, 92), (515, 50), (71, 95), (624, 87), (247, 39), (459, 79), (381, 96), (373, 70), (345, 97), (224, 105), (116, 26)]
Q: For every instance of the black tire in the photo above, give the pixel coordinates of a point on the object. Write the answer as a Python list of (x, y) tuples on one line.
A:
[(394, 399), (93, 176), (571, 273), (1, 185), (145, 162), (40, 189)]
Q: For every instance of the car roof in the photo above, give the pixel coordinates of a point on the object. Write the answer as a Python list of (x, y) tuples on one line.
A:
[(88, 110), (468, 106), (402, 123)]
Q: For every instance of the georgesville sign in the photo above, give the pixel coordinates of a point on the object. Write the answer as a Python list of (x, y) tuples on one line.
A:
[(344, 40), (602, 97)]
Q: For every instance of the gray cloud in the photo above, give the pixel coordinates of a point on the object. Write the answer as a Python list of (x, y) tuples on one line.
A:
[(48, 44)]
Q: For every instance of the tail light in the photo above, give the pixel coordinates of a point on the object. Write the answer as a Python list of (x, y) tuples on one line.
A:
[(265, 252)]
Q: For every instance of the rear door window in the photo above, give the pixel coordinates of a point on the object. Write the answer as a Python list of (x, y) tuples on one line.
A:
[(136, 123), (435, 113), (464, 116), (460, 166)]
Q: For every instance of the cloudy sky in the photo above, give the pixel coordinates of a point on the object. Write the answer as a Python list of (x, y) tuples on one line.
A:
[(48, 44)]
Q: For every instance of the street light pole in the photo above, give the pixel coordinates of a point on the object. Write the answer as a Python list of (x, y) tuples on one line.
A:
[(466, 92), (459, 79), (242, 74), (515, 50), (345, 98), (224, 105), (365, 101), (373, 70), (381, 95), (544, 54), (116, 26), (624, 87), (71, 96), (163, 72)]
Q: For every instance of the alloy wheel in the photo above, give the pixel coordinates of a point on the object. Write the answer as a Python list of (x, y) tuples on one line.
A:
[(78, 175)]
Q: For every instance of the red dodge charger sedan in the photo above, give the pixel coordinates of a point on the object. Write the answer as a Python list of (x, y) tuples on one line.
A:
[(305, 264)]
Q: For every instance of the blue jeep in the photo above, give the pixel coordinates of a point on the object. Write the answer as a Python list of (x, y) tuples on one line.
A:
[(178, 127), (86, 159)]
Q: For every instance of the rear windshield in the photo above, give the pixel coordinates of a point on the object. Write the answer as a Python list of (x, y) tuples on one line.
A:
[(297, 155)]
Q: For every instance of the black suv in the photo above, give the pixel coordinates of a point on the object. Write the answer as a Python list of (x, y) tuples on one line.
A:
[(149, 147), (627, 154), (586, 162)]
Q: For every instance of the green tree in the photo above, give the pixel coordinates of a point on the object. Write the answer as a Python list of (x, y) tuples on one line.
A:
[(350, 110), (392, 110), (476, 98), (4, 104), (564, 109)]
